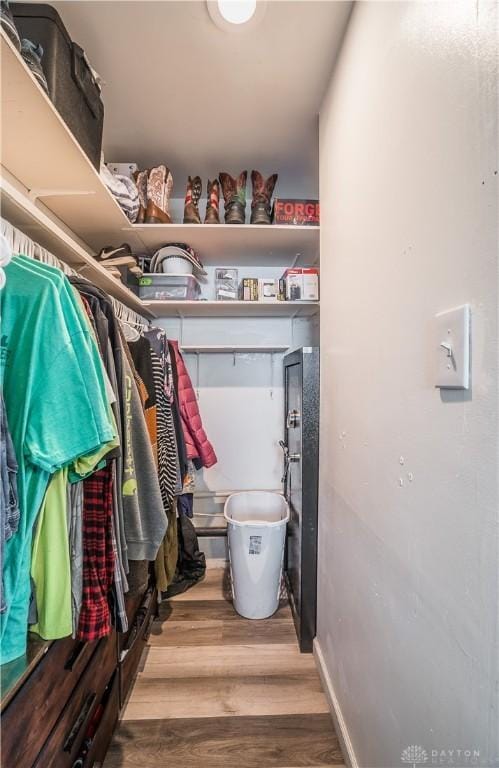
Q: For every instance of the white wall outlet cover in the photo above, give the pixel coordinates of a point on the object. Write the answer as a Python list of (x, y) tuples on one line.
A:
[(453, 348)]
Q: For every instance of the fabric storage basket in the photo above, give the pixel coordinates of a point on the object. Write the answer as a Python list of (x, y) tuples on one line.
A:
[(169, 286), (71, 84)]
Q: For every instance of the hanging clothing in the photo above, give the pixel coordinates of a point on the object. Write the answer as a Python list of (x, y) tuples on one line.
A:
[(53, 417), (177, 420), (189, 485), (98, 555), (168, 459), (140, 352), (9, 503), (145, 520), (75, 525), (196, 440), (51, 564), (186, 504), (108, 333), (191, 566)]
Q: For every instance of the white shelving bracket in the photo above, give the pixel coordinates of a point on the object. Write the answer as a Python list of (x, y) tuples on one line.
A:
[(35, 194)]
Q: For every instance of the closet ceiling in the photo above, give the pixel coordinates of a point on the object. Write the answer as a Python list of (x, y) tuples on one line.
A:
[(181, 91)]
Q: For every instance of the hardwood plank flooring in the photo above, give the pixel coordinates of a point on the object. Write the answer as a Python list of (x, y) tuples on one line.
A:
[(242, 660), (245, 742), (215, 690)]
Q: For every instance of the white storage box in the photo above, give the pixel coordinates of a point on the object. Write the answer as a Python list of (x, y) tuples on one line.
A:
[(256, 527), (172, 287)]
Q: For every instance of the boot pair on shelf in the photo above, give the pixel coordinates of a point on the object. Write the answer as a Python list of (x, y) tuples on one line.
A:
[(234, 192), (155, 188), (193, 196)]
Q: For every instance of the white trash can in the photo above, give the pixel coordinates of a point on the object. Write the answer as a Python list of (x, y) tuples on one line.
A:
[(256, 527)]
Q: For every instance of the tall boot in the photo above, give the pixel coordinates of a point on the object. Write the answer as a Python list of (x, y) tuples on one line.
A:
[(192, 197), (159, 189), (140, 178), (234, 192), (262, 195), (212, 202)]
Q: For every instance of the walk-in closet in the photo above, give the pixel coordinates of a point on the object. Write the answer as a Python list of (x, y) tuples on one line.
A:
[(248, 350)]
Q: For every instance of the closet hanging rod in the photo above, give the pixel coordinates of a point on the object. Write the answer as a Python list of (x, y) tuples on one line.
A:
[(21, 243), (233, 348)]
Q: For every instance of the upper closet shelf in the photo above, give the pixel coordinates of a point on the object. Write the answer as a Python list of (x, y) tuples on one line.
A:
[(238, 244), (39, 150), (42, 227), (233, 308)]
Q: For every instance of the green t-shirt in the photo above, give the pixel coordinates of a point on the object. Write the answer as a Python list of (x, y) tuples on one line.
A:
[(56, 412), (50, 564), (71, 294)]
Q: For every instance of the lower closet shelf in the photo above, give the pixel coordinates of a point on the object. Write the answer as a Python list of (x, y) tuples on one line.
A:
[(232, 308)]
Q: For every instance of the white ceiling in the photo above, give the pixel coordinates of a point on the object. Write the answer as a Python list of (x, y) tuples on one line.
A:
[(181, 91)]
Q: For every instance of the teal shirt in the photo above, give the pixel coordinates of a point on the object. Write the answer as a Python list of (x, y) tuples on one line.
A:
[(57, 412)]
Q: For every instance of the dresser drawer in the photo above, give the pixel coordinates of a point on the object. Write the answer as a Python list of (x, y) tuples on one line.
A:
[(31, 715), (101, 727), (66, 739), (135, 643)]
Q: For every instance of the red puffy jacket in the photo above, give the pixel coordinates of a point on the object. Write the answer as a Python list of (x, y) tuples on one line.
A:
[(196, 442)]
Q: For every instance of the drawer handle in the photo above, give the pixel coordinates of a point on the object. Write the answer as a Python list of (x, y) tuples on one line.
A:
[(71, 738), (75, 654)]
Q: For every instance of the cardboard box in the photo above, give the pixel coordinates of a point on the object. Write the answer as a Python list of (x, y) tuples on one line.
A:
[(296, 212), (249, 289), (302, 284), (226, 284), (268, 289)]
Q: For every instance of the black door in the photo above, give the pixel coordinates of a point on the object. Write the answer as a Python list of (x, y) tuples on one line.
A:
[(301, 444)]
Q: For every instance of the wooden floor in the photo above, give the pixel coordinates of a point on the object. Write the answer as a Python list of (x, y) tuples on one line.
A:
[(218, 691)]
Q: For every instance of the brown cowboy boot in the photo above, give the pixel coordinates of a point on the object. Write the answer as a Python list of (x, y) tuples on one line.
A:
[(140, 178), (234, 192), (212, 202), (191, 205), (262, 195), (159, 189)]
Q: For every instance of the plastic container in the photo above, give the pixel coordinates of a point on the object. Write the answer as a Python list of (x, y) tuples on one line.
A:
[(256, 527), (72, 86), (176, 265), (169, 287)]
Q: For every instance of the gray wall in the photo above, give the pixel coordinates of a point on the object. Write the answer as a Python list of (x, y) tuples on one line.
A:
[(408, 568)]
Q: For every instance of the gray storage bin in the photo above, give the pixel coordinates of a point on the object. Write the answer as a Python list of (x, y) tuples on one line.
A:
[(171, 287), (71, 84)]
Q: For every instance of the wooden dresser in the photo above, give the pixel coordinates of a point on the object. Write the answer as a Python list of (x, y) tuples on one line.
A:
[(61, 702)]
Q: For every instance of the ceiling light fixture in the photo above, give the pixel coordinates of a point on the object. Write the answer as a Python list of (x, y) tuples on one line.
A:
[(236, 15), (237, 11)]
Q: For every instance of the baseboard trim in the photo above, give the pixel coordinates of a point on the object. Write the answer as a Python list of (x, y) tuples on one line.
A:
[(334, 705)]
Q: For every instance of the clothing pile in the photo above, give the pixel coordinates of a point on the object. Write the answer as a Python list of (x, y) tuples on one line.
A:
[(123, 189), (100, 430)]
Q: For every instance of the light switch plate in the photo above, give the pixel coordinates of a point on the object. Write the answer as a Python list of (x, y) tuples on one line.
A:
[(453, 348)]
